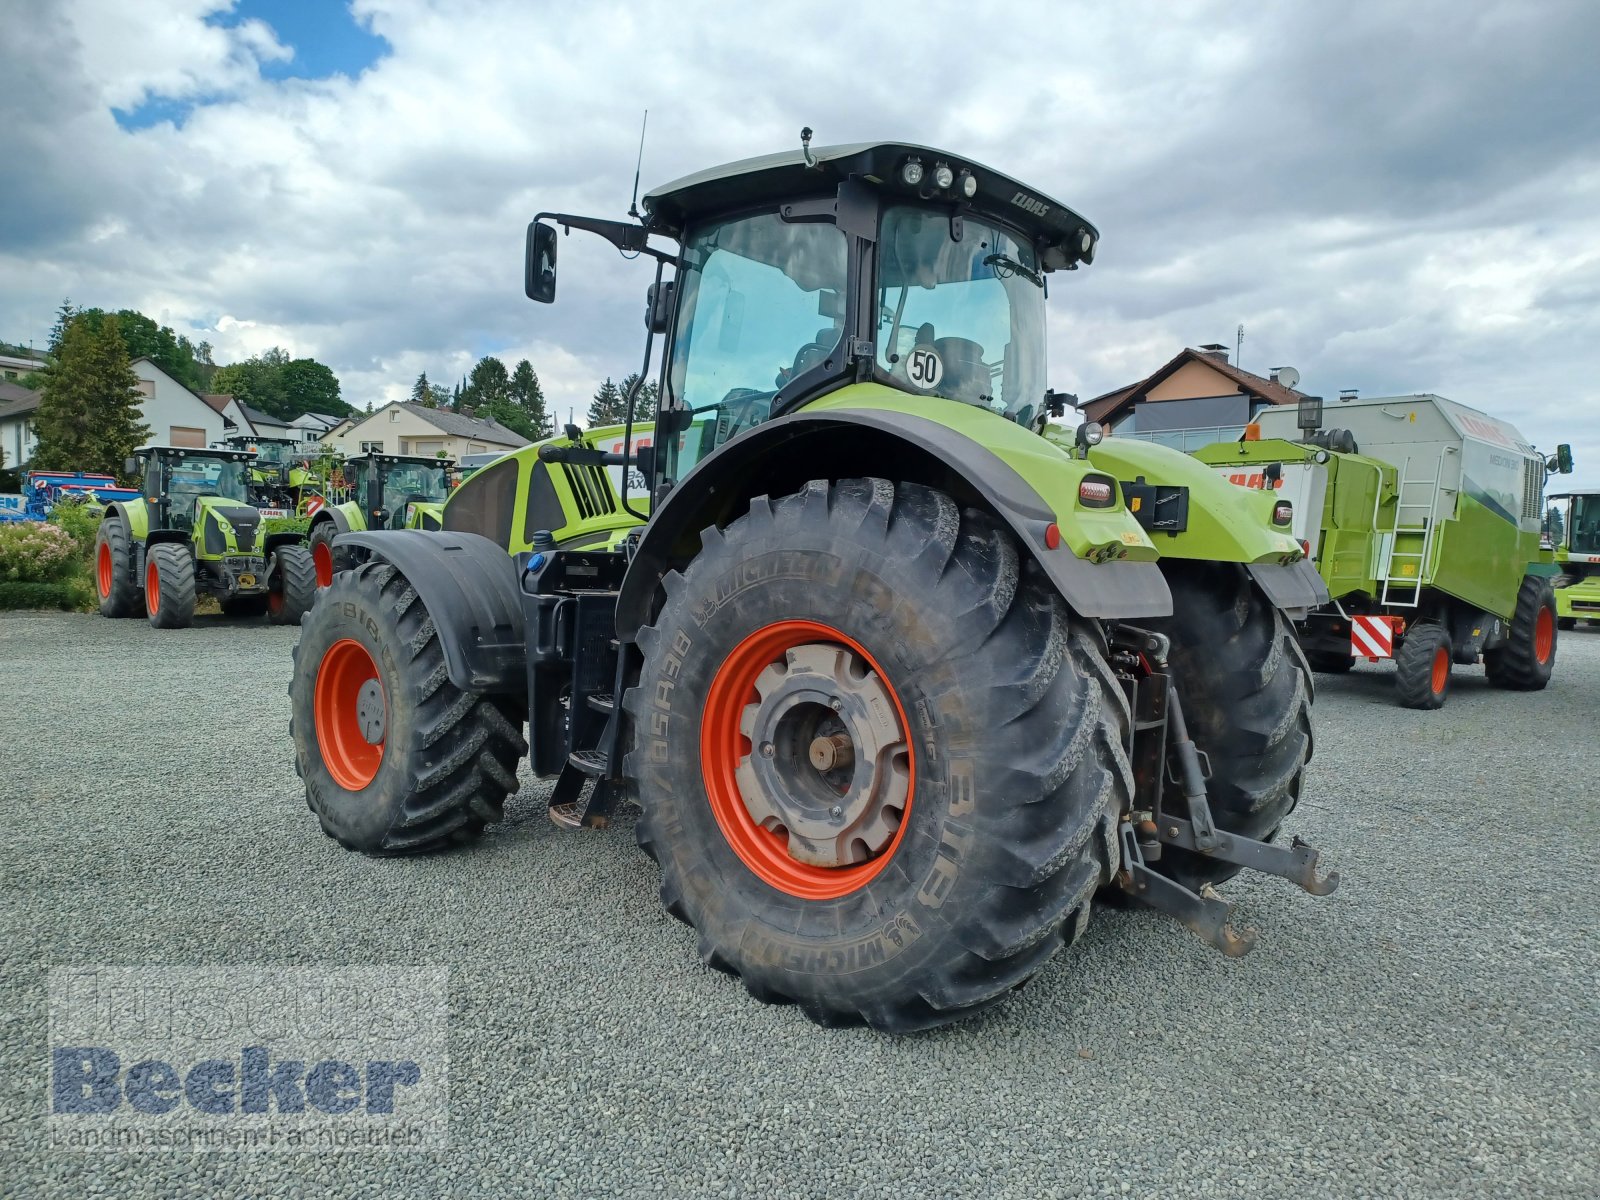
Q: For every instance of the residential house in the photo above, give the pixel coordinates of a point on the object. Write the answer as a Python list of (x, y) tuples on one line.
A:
[(332, 435), (406, 428), (17, 408), (234, 422), (268, 426), (176, 415), (313, 427), (1195, 398), (16, 363)]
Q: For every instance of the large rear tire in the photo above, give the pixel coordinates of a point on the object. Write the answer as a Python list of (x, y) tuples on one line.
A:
[(116, 582), (395, 758), (1422, 666), (327, 561), (293, 588), (169, 590), (981, 731), (1525, 661), (1246, 690)]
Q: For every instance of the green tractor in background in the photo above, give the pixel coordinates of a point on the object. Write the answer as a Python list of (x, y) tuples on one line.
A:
[(1423, 517), (900, 685), (194, 532), (387, 491), (535, 498), (1575, 534), (280, 475)]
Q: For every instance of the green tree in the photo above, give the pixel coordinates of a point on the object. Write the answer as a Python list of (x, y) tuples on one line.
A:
[(644, 404), (281, 386), (438, 396), (488, 383), (311, 386), (89, 417), (421, 392), (527, 395), (606, 408)]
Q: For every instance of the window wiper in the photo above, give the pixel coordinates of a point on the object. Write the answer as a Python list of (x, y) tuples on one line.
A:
[(1006, 267)]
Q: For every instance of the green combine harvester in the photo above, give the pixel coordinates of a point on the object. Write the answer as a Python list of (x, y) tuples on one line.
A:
[(387, 491), (194, 532), (1577, 553), (900, 685), (1423, 518)]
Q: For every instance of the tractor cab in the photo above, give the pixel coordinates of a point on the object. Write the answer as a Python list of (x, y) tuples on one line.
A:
[(397, 491), (1573, 524), (181, 486), (280, 471)]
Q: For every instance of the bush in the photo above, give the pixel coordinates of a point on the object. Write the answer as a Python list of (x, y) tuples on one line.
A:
[(284, 525), (80, 520), (74, 595), (35, 552)]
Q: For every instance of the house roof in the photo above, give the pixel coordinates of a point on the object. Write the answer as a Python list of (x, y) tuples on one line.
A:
[(16, 400), (218, 402), (1110, 405), (460, 425), (258, 418)]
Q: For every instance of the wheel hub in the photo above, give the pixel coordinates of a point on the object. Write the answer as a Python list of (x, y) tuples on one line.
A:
[(370, 712), (829, 763)]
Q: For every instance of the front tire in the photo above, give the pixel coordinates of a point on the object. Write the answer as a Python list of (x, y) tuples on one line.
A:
[(293, 589), (1528, 656), (395, 758), (1422, 667), (169, 590), (116, 582), (962, 842), (1246, 690), (327, 561)]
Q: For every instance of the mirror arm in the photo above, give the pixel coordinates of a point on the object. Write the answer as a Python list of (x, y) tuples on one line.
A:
[(627, 237)]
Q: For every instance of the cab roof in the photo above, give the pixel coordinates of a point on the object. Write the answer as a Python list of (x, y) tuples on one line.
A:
[(772, 178)]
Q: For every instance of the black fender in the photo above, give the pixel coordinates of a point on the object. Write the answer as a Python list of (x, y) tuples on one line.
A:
[(1296, 588), (469, 586), (340, 522), (781, 456), (273, 540)]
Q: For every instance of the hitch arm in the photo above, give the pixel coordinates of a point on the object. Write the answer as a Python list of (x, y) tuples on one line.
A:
[(1297, 862), (1205, 914)]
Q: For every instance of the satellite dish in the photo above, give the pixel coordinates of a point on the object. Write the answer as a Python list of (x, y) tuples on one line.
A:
[(1288, 376)]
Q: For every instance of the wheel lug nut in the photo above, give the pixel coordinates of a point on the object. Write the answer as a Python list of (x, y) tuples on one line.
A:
[(766, 749), (836, 812), (836, 704)]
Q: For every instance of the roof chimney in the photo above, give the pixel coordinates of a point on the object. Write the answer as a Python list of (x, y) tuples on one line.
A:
[(1346, 394), (1215, 350), (468, 410)]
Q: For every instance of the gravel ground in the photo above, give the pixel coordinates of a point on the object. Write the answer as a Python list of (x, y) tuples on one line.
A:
[(1429, 1030)]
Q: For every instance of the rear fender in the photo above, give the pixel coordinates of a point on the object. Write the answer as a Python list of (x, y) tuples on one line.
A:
[(469, 586), (135, 515), (866, 439)]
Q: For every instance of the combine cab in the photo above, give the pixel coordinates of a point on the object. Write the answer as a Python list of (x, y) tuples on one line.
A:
[(1577, 551), (387, 491), (899, 684), (1422, 516), (193, 532)]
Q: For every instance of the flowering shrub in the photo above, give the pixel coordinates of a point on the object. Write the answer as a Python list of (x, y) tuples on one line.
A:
[(34, 552), (81, 520)]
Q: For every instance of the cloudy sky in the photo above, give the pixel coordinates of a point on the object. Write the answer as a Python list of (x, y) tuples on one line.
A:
[(1392, 197)]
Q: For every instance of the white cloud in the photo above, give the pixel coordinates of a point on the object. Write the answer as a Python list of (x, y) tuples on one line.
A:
[(1391, 200)]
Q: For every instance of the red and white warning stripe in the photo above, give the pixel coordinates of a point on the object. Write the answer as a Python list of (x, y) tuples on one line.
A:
[(1371, 637), (314, 506)]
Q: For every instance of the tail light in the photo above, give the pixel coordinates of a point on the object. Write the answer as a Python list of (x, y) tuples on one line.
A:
[(1097, 491), (1282, 513)]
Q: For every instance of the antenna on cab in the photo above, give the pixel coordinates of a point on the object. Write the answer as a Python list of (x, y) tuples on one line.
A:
[(633, 208)]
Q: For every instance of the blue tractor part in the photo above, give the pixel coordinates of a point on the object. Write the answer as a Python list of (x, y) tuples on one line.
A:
[(43, 490)]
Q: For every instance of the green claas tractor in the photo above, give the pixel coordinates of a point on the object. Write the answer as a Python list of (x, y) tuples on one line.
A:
[(387, 491), (1575, 534), (280, 473), (1422, 516), (536, 498), (195, 533), (900, 685)]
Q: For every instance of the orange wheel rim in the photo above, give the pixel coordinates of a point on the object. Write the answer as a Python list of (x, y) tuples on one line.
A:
[(103, 572), (1544, 635), (349, 711), (322, 556), (152, 588), (725, 748), (274, 602), (1441, 669)]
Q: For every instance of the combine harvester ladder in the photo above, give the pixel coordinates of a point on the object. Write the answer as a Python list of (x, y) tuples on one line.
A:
[(1396, 580)]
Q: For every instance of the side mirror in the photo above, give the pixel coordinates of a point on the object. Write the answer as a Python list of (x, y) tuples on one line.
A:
[(1564, 459), (658, 306), (130, 466), (539, 266)]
